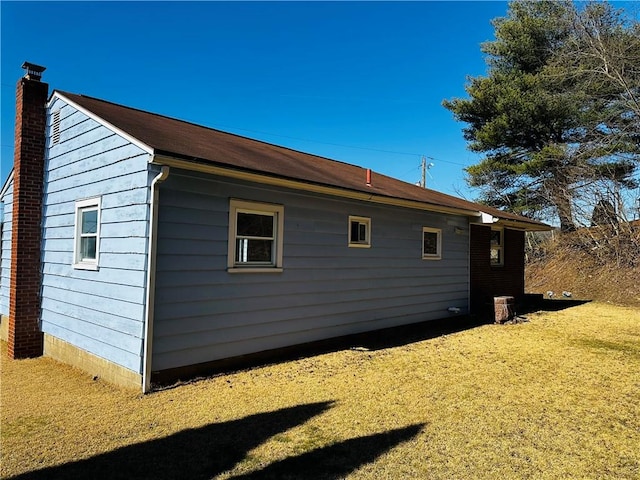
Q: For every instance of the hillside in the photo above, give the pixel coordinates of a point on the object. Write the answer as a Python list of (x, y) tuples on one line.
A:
[(591, 264)]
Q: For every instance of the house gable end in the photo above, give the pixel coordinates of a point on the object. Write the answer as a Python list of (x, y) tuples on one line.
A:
[(90, 165), (60, 95), (6, 199)]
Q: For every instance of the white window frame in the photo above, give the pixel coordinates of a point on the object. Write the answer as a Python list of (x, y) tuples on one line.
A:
[(438, 254), (246, 206), (498, 247), (366, 221), (81, 207)]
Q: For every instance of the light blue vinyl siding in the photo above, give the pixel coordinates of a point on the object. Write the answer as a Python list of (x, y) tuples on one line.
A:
[(5, 259), (101, 311), (327, 289)]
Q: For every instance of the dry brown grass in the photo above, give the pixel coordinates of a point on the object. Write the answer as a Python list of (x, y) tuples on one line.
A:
[(585, 280), (588, 267), (557, 397)]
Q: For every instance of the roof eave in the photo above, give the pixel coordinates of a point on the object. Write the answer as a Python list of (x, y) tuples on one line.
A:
[(280, 181), (7, 182), (526, 226)]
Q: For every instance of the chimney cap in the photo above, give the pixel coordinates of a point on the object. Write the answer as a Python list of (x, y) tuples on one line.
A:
[(34, 72)]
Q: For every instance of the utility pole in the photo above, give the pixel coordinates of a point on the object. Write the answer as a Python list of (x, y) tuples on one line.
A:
[(424, 168)]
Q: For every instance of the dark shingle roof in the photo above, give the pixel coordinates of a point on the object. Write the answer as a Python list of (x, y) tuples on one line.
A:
[(177, 138)]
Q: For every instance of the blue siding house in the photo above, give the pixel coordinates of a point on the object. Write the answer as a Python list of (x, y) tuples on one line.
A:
[(166, 247)]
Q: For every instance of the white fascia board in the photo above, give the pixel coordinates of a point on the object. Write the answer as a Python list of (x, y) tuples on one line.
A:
[(515, 225), (488, 218), (102, 122), (7, 182), (528, 227), (264, 179)]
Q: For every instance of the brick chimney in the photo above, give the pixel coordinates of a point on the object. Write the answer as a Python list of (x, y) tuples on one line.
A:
[(25, 336)]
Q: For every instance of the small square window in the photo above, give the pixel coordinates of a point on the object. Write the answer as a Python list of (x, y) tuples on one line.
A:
[(255, 236), (87, 234), (431, 243), (497, 247), (359, 232)]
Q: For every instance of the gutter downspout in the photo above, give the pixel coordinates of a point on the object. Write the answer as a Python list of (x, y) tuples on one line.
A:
[(151, 278)]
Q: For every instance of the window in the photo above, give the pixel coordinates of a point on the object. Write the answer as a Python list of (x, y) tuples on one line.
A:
[(497, 246), (87, 234), (359, 232), (255, 236), (431, 243)]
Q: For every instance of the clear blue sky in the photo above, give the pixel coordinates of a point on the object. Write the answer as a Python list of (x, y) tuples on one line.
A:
[(359, 82)]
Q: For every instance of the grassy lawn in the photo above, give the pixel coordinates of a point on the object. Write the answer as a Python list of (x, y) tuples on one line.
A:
[(556, 397)]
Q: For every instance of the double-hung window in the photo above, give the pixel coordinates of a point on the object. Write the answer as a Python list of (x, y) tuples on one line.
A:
[(255, 236), (497, 247), (431, 243), (87, 234), (359, 232)]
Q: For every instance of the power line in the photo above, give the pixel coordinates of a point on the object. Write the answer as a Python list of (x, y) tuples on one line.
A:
[(330, 143), (412, 169), (395, 152)]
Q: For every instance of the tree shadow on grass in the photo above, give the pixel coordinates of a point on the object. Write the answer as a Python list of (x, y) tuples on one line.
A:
[(334, 461), (193, 454)]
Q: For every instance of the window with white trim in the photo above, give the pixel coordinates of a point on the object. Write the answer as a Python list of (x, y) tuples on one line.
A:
[(359, 232), (431, 243), (497, 246), (87, 234), (255, 236)]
